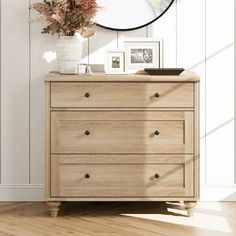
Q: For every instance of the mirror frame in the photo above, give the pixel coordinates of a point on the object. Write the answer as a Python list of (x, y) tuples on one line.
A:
[(141, 26)]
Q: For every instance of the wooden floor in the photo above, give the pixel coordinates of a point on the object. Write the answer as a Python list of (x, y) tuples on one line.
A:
[(124, 219)]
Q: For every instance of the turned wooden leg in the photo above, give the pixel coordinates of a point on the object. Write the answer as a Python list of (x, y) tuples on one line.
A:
[(53, 208), (189, 206)]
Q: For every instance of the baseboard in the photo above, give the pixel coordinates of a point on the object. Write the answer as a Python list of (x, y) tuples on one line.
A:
[(218, 193), (35, 192), (21, 192)]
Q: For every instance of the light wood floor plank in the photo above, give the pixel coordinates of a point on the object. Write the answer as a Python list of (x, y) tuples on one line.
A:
[(118, 219)]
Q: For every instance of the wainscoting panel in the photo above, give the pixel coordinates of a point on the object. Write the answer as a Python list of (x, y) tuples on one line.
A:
[(139, 33), (15, 119), (103, 40), (220, 92), (166, 28), (197, 35), (191, 55)]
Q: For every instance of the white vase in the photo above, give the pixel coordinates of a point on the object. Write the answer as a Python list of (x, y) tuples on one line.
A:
[(69, 53)]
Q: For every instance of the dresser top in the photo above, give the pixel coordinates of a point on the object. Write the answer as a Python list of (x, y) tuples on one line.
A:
[(100, 77)]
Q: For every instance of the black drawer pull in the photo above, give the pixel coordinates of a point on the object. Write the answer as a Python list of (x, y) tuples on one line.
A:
[(157, 95), (156, 132), (87, 95), (157, 176), (87, 132), (87, 176)]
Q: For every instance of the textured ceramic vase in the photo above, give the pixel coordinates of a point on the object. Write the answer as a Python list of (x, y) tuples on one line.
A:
[(69, 53)]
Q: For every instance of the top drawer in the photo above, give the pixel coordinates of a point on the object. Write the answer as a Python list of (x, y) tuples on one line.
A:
[(121, 95)]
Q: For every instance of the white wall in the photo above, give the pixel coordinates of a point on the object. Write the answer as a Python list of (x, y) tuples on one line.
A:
[(198, 35)]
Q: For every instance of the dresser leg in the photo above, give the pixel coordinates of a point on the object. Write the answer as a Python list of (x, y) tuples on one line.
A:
[(53, 208), (189, 206)]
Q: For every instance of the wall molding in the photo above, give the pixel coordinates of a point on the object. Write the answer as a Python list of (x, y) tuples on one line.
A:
[(21, 192)]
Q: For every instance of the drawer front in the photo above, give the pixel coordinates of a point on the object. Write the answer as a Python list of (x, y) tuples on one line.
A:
[(121, 132), (121, 95), (107, 176)]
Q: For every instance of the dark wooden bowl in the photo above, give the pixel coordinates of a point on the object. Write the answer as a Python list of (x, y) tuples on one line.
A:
[(164, 71)]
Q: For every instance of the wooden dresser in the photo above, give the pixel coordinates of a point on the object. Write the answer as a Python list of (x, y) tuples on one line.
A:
[(122, 138)]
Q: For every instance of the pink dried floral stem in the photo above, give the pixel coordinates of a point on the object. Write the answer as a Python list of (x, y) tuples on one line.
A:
[(68, 16)]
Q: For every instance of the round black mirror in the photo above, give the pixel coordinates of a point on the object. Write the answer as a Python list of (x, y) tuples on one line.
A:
[(123, 15)]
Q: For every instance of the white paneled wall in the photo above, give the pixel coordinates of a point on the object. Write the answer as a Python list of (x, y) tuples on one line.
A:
[(191, 38), (15, 98), (166, 28), (220, 78), (197, 35)]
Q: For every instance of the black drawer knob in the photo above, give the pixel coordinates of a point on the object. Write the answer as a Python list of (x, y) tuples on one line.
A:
[(156, 132), (87, 95), (157, 95), (157, 176), (87, 176), (87, 132)]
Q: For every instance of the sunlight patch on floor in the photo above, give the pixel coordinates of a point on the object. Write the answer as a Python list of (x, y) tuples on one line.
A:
[(211, 206), (204, 220)]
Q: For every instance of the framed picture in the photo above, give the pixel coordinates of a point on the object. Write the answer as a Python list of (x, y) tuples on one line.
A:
[(142, 53), (115, 62)]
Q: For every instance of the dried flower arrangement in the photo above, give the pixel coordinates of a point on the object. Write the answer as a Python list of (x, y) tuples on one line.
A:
[(67, 17)]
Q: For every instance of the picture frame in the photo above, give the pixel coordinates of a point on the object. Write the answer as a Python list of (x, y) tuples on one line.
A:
[(142, 53), (115, 62)]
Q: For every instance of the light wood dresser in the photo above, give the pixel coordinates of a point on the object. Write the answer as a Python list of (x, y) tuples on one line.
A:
[(122, 138)]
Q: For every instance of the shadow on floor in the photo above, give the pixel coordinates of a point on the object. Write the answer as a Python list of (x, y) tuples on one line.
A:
[(118, 208)]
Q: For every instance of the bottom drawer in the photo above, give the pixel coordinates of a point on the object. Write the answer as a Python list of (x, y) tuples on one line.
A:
[(121, 176)]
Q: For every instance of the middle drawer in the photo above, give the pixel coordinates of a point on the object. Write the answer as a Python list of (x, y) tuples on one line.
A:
[(123, 132)]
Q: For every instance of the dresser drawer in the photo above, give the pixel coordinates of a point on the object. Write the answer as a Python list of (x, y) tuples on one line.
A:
[(120, 95), (121, 132), (111, 176)]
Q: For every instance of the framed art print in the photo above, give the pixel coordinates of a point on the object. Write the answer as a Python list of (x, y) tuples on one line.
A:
[(115, 62), (142, 53)]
